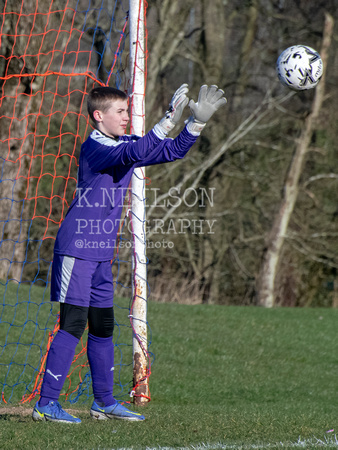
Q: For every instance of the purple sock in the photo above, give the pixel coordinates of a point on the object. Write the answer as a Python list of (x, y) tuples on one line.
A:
[(100, 352), (59, 360)]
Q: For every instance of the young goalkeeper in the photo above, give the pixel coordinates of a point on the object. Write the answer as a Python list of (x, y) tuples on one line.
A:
[(82, 280)]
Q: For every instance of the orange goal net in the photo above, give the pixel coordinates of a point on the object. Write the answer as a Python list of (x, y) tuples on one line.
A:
[(53, 54)]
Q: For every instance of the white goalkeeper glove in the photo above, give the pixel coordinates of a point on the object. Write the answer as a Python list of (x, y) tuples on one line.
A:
[(176, 107), (210, 99)]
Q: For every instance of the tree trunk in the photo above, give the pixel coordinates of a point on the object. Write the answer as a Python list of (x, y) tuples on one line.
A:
[(214, 32), (18, 106), (16, 137), (242, 75)]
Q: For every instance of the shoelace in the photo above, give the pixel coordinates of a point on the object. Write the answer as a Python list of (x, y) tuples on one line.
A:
[(56, 407)]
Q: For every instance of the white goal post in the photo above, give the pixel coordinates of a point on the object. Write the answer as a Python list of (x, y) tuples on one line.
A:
[(137, 115)]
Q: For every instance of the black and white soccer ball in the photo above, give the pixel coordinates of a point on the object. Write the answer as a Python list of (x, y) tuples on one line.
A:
[(299, 67)]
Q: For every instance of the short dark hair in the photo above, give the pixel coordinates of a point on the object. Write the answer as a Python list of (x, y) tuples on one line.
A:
[(100, 98)]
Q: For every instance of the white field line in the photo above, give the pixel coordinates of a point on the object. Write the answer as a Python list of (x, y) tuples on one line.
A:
[(330, 441)]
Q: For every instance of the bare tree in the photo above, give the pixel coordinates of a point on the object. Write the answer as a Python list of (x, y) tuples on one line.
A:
[(17, 103), (276, 237)]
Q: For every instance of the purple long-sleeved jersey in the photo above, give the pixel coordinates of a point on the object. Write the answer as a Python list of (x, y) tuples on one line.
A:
[(106, 166)]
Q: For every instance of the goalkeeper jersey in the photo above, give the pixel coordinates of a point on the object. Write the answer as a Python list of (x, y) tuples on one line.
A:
[(106, 166)]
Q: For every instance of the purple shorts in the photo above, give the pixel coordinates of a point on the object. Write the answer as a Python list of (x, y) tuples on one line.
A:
[(82, 283)]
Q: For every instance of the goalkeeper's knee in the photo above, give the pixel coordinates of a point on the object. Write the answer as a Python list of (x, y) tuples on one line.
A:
[(101, 321), (73, 319)]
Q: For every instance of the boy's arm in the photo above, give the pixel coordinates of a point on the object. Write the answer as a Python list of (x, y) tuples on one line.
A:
[(169, 149)]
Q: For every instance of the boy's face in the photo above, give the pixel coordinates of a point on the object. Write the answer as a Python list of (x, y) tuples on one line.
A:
[(114, 121)]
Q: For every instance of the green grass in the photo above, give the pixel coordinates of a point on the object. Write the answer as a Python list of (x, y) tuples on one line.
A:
[(223, 377), (26, 319)]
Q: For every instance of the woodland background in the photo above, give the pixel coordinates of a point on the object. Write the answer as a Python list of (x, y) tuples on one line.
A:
[(257, 194), (247, 153)]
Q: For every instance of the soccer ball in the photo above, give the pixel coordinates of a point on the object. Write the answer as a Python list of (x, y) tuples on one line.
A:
[(299, 67)]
